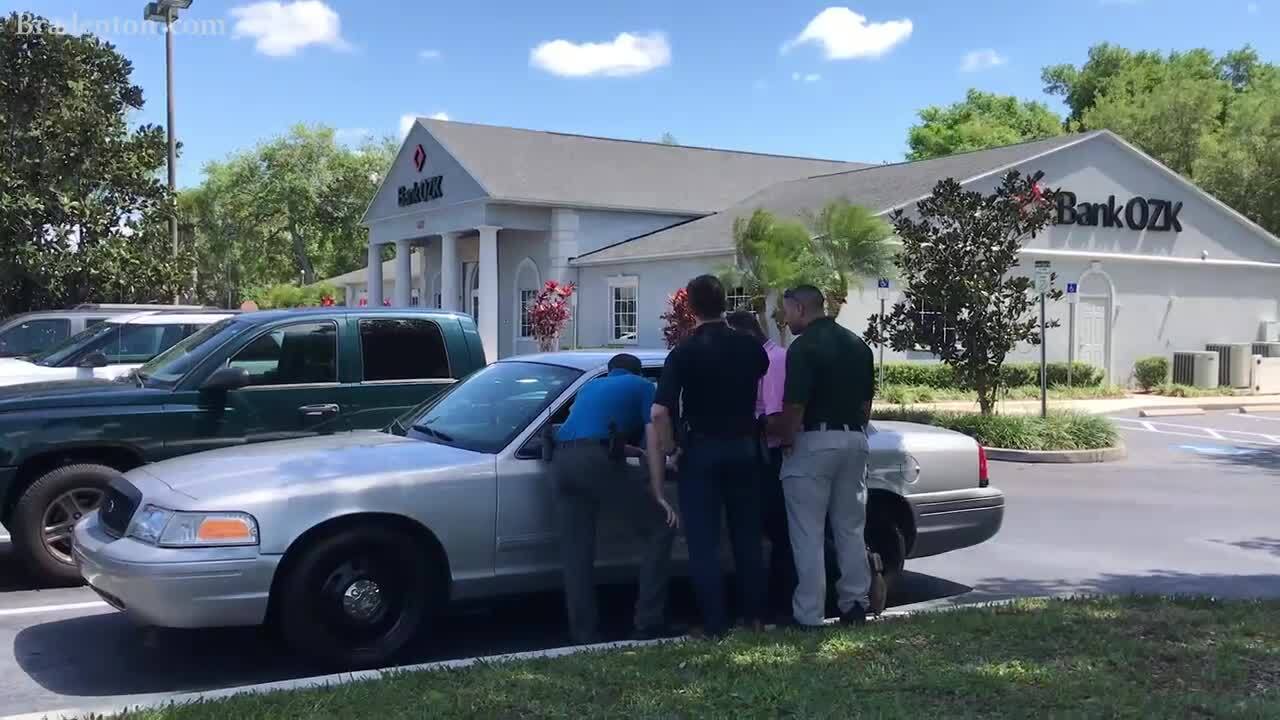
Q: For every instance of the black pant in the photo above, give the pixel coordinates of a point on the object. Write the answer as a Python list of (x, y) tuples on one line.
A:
[(723, 475), (782, 565)]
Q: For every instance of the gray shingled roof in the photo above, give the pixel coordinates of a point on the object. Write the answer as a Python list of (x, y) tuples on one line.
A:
[(880, 187), (555, 168)]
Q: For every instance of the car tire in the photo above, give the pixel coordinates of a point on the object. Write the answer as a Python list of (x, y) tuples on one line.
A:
[(356, 599), (886, 539), (58, 499)]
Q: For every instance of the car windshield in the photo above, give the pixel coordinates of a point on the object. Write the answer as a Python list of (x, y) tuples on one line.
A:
[(96, 336), (485, 412), (167, 368)]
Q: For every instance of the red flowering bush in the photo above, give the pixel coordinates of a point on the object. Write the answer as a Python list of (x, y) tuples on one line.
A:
[(679, 318), (548, 313)]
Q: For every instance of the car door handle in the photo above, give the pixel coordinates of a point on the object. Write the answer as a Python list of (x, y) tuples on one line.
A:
[(323, 410)]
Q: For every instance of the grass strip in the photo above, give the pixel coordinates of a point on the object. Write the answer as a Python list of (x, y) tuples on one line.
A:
[(1059, 431), (1132, 657)]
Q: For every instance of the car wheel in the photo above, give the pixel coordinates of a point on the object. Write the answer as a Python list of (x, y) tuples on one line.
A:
[(886, 539), (357, 598), (46, 514)]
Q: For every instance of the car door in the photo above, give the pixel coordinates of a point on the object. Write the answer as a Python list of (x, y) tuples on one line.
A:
[(403, 361), (293, 389)]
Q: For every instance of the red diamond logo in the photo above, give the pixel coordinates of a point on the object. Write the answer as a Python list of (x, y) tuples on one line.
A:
[(419, 158)]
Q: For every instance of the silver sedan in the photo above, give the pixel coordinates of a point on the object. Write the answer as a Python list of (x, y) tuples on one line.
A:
[(350, 543)]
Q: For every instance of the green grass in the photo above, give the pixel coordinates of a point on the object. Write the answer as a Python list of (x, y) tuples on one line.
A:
[(917, 394), (1188, 391), (1130, 657), (1059, 431)]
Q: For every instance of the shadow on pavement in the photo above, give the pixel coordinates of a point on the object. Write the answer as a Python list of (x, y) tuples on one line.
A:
[(1252, 459), (106, 655)]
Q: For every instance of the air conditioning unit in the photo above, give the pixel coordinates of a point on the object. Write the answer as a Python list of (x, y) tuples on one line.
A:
[(1266, 374), (1198, 368), (1271, 331), (1235, 364), (1267, 349)]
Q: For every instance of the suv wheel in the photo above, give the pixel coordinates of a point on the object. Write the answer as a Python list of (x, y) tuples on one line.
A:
[(46, 514), (357, 598)]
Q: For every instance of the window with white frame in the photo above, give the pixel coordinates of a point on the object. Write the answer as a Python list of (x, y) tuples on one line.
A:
[(623, 307), (929, 318), (737, 299), (526, 302)]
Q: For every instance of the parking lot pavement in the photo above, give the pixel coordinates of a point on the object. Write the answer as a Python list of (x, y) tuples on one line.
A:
[(1189, 511)]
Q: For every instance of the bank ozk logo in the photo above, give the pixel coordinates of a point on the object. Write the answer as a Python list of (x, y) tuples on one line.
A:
[(419, 157), (1137, 214)]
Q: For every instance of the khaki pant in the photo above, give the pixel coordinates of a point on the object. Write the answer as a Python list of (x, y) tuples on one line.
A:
[(825, 476)]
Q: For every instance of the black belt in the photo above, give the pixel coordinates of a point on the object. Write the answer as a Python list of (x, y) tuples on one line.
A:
[(832, 427), (585, 442)]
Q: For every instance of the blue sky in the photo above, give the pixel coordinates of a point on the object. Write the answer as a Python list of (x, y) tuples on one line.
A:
[(794, 77)]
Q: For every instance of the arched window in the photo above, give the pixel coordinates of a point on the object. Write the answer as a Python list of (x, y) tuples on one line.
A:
[(528, 283)]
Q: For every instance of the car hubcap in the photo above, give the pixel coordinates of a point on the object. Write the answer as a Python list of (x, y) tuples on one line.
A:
[(362, 600), (60, 519)]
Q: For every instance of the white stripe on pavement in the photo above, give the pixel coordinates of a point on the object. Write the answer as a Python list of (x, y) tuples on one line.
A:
[(38, 609), (1146, 426)]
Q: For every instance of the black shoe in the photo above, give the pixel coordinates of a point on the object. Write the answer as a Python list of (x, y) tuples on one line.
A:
[(855, 617)]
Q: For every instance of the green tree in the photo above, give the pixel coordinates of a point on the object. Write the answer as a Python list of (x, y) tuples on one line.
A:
[(981, 120), (287, 211), (669, 139), (82, 210), (960, 298), (1240, 164)]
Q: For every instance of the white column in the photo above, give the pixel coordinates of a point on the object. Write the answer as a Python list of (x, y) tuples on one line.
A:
[(404, 273), (564, 247), (424, 278), (374, 274), (489, 290), (350, 293), (449, 270)]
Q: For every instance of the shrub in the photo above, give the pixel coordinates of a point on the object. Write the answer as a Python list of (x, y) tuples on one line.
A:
[(285, 295), (1059, 431), (1012, 375), (1189, 391), (1151, 371)]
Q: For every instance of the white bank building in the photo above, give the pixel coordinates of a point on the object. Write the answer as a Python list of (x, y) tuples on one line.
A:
[(482, 216)]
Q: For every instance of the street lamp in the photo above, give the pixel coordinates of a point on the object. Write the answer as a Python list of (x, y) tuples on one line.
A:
[(166, 11)]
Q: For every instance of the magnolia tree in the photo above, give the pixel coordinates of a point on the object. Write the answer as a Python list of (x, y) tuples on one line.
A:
[(548, 313), (961, 299), (679, 318)]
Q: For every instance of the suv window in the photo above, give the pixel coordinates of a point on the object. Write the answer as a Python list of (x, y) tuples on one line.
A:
[(140, 343), (301, 354), (34, 336), (403, 349)]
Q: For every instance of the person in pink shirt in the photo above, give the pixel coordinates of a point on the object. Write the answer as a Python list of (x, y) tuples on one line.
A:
[(782, 571)]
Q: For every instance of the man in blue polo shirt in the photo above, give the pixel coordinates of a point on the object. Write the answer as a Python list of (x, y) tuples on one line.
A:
[(608, 417)]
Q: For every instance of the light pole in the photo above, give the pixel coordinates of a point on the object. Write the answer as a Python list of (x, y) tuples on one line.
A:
[(166, 11)]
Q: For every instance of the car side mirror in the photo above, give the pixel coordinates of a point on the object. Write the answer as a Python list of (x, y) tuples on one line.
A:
[(225, 380), (93, 360)]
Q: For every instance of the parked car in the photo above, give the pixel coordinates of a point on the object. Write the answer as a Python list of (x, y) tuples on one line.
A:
[(108, 349), (250, 378), (347, 543), (36, 332)]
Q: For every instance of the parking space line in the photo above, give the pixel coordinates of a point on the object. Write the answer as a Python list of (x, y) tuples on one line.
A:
[(38, 609), (1271, 418), (1146, 426)]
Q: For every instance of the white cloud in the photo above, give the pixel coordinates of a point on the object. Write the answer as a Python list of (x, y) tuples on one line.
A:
[(845, 35), (627, 54), (807, 78), (408, 119), (984, 59), (429, 54), (281, 29)]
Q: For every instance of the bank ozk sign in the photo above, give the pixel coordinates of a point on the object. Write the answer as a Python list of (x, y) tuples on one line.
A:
[(1137, 214), (431, 188)]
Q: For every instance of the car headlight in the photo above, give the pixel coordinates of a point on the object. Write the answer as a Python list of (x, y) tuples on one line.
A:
[(166, 528)]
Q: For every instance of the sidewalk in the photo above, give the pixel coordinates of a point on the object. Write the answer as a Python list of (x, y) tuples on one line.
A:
[(1106, 406)]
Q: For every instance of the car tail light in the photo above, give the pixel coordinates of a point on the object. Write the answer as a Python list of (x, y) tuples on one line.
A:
[(983, 479)]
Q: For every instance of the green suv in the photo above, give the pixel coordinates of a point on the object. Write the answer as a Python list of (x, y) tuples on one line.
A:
[(252, 378)]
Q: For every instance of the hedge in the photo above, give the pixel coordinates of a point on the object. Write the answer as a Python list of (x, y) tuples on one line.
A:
[(1151, 371), (938, 375), (1059, 431)]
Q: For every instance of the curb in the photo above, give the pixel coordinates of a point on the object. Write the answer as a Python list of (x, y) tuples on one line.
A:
[(1101, 455), (162, 700), (1171, 412), (1250, 409)]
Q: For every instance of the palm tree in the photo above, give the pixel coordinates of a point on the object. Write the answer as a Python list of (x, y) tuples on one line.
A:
[(849, 244)]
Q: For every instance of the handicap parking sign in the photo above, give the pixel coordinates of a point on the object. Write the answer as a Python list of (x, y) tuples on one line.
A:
[(1071, 288)]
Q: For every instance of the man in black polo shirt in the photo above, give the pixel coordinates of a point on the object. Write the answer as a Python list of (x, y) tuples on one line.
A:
[(710, 382), (827, 404)]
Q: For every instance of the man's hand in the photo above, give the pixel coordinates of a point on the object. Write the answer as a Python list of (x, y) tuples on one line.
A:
[(673, 518)]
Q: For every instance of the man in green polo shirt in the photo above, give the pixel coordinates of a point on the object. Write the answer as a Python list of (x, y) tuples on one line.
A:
[(826, 406)]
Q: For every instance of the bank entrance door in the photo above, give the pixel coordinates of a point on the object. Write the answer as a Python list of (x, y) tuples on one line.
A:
[(1092, 331)]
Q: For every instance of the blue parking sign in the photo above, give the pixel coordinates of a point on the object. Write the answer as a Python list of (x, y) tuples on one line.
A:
[(1071, 288), (883, 283)]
